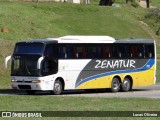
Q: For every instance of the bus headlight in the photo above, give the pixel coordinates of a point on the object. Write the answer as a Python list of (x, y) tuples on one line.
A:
[(13, 80), (37, 81)]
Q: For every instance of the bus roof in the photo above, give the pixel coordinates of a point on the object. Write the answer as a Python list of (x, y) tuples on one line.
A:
[(43, 41), (99, 39), (84, 39), (135, 40), (87, 39)]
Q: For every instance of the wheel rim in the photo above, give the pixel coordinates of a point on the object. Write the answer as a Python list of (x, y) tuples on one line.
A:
[(115, 84), (57, 87), (126, 85)]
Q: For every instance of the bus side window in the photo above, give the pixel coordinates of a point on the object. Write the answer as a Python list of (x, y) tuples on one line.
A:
[(78, 52), (51, 51), (74, 52), (68, 52), (149, 51), (84, 53), (111, 52), (62, 52), (140, 49), (104, 52), (98, 52), (133, 52), (107, 52), (50, 66), (150, 55), (122, 51), (116, 52), (140, 55), (91, 52)]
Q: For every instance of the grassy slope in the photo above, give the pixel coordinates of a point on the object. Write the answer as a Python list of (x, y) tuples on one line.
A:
[(41, 20), (37, 103), (27, 20), (155, 2)]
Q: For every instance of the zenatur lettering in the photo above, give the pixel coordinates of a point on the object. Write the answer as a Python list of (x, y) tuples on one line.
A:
[(115, 64)]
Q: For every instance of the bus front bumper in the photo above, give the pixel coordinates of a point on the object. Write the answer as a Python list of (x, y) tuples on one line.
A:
[(32, 86)]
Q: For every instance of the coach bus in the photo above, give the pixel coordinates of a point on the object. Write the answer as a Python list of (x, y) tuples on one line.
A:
[(82, 62)]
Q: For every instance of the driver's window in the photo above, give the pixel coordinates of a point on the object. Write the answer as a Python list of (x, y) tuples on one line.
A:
[(51, 51), (50, 66)]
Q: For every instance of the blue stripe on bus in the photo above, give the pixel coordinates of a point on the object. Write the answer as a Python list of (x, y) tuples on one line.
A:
[(150, 62)]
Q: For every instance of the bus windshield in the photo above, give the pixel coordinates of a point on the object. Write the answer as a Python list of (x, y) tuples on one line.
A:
[(26, 56), (25, 65), (29, 49)]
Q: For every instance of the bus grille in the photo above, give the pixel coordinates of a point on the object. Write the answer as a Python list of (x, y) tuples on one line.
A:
[(26, 87), (24, 81)]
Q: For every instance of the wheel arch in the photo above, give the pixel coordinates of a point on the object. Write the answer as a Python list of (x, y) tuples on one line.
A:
[(119, 78), (62, 81)]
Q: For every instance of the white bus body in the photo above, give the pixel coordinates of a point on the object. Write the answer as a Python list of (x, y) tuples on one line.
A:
[(83, 72)]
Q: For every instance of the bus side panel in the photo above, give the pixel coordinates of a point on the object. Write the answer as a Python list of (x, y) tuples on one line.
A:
[(72, 69), (141, 76), (145, 78), (103, 82)]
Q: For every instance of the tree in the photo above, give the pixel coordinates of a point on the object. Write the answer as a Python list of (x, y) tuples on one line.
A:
[(147, 3), (106, 2), (126, 1)]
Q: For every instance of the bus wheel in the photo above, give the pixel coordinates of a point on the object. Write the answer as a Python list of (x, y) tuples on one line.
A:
[(30, 92), (115, 86), (57, 88), (126, 85)]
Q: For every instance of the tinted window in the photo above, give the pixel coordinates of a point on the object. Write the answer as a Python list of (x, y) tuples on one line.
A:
[(29, 49), (149, 51), (105, 51), (51, 51)]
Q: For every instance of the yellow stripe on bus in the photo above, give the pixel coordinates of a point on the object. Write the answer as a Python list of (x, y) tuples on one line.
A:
[(142, 78)]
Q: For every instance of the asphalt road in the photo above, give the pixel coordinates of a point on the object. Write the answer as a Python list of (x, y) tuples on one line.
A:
[(141, 92)]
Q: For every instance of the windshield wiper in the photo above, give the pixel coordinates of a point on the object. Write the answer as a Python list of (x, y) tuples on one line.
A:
[(29, 73), (26, 68)]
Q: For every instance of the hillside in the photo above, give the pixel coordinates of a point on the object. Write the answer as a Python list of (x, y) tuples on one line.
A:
[(41, 20), (155, 3), (27, 20)]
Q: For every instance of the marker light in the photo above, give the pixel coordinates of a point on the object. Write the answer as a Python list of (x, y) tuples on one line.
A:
[(37, 81), (13, 80)]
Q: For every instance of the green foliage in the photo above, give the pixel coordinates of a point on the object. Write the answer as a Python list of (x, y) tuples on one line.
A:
[(158, 72), (58, 103), (66, 103), (42, 20), (153, 18), (134, 4), (153, 14), (155, 3)]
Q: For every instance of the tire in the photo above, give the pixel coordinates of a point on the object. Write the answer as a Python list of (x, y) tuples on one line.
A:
[(57, 88), (126, 85), (115, 85), (30, 92)]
